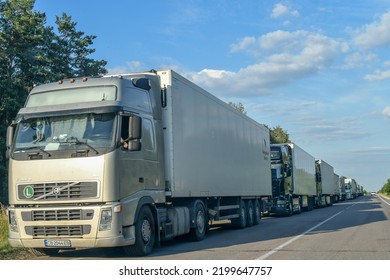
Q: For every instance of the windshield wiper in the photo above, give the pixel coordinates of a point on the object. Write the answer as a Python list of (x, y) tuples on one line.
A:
[(34, 148), (78, 142)]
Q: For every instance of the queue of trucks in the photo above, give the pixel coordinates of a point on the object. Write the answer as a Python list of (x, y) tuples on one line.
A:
[(133, 160)]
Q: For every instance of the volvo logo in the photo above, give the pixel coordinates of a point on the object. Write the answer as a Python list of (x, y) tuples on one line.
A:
[(56, 191)]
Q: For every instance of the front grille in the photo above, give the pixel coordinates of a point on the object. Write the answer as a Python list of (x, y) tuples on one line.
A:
[(58, 191), (58, 230), (57, 215)]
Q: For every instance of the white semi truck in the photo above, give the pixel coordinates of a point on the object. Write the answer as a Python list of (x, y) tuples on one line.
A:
[(325, 183), (336, 196), (293, 179), (129, 161), (350, 188), (343, 193)]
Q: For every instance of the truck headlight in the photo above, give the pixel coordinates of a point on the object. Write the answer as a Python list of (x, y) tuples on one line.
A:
[(13, 224), (105, 220)]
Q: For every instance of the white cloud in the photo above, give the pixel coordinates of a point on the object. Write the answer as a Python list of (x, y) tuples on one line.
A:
[(281, 10), (358, 59), (243, 44), (280, 39), (378, 76), (372, 150), (295, 55), (386, 112), (375, 34)]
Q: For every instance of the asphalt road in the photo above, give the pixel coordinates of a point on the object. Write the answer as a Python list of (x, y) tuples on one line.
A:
[(357, 229)]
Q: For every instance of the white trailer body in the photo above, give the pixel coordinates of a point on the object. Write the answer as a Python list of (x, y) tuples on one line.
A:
[(351, 188), (343, 194), (303, 171), (325, 183), (325, 178), (211, 149)]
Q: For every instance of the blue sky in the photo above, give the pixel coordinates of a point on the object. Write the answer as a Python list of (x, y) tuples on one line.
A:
[(319, 69)]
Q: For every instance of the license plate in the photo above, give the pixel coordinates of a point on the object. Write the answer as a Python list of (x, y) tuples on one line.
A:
[(57, 243)]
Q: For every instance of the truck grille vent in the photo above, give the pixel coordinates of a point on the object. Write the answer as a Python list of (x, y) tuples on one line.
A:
[(58, 230), (58, 191), (57, 215)]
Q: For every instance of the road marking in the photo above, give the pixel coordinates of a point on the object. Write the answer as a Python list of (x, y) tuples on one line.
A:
[(280, 247), (383, 200)]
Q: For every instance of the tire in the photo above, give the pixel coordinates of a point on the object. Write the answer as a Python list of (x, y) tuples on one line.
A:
[(257, 212), (145, 234), (198, 232), (44, 251), (250, 213), (240, 222), (290, 209)]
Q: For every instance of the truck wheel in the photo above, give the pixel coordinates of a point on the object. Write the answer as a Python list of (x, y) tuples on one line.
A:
[(290, 209), (240, 222), (198, 232), (144, 233), (44, 251), (250, 213), (257, 212)]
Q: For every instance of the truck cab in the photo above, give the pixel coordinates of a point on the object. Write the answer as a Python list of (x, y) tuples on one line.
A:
[(281, 180)]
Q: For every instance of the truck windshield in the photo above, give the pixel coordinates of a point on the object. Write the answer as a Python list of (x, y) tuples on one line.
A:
[(66, 132)]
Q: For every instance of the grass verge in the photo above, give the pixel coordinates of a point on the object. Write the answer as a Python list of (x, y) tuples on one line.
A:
[(6, 251)]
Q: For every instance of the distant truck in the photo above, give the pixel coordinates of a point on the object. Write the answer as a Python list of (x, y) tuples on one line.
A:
[(360, 190), (129, 161), (342, 188), (336, 196), (325, 183), (293, 179), (350, 188)]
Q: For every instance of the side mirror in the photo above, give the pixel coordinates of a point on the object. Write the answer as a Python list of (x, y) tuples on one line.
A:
[(134, 127), (135, 133), (9, 140)]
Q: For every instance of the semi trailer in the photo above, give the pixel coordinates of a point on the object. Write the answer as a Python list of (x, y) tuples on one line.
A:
[(336, 192), (343, 193), (293, 179), (325, 183), (350, 188), (130, 161)]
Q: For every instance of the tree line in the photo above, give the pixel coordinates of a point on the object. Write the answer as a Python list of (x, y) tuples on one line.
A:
[(33, 53), (386, 188)]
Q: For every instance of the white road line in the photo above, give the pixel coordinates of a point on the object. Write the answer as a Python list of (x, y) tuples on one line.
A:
[(383, 200), (280, 247)]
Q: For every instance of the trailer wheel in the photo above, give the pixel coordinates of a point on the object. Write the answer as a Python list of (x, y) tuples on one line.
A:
[(198, 232), (250, 213), (257, 212), (144, 233), (240, 222), (44, 251)]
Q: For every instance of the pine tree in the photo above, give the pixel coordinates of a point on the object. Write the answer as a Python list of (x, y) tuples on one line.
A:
[(31, 53)]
